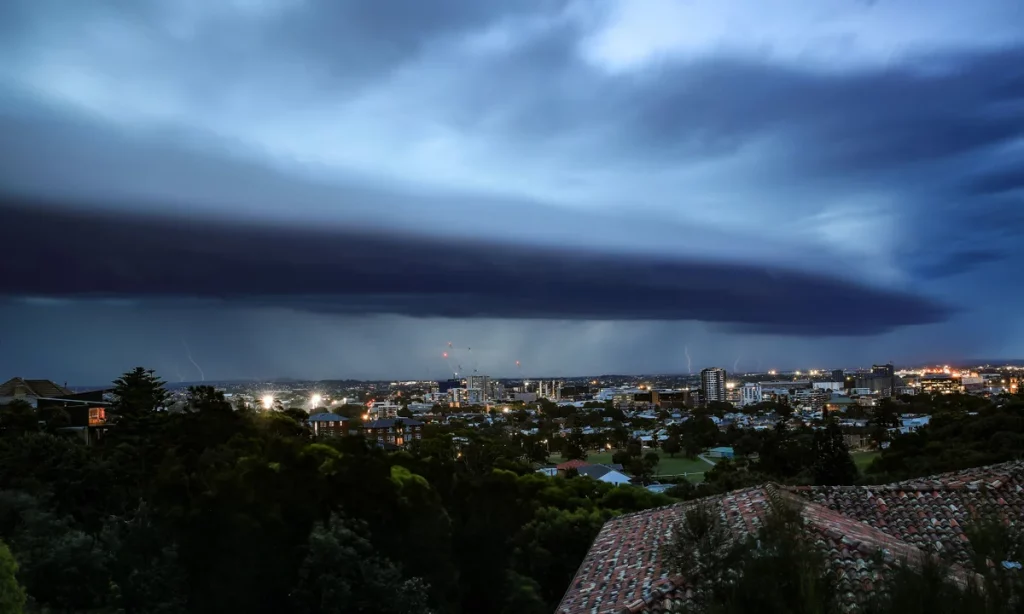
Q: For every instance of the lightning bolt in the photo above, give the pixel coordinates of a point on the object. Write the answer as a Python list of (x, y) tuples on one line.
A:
[(188, 352), (689, 361)]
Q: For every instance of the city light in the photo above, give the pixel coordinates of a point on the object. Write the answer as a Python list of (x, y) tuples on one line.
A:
[(505, 409), (315, 400), (268, 401)]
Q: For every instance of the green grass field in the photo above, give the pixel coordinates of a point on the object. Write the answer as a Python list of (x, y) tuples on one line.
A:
[(694, 469), (863, 459)]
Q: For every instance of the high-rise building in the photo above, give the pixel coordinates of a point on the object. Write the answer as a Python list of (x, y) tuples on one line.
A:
[(885, 379), (548, 389), (838, 375), (447, 385), (481, 383), (712, 384), (882, 370)]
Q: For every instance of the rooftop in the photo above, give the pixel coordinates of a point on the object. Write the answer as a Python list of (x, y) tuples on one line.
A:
[(325, 417), (39, 388), (625, 572), (572, 464)]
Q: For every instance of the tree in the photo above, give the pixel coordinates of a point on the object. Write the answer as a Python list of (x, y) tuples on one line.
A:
[(144, 565), (746, 445), (776, 570), (621, 457), (671, 446), (53, 418), (550, 547), (342, 573), (12, 595), (634, 448), (207, 399), (47, 547), (641, 470), (139, 391), (574, 446), (651, 459), (18, 417), (833, 464)]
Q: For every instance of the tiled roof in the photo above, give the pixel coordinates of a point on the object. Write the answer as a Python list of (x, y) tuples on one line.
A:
[(327, 418), (624, 571), (624, 567), (573, 464), (930, 513), (598, 471), (32, 387)]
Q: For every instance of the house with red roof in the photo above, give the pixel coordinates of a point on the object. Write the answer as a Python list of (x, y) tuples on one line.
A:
[(865, 532), (573, 464)]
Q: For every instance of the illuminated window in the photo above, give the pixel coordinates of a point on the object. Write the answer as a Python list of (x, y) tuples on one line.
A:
[(97, 416)]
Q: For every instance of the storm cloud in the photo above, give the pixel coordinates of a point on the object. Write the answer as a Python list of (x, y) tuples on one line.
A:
[(110, 257), (822, 169)]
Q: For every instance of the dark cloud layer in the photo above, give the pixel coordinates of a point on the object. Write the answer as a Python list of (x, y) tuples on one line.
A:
[(76, 255), (335, 166)]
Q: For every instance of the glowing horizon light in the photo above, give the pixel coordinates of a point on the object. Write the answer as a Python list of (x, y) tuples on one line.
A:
[(315, 400), (268, 401)]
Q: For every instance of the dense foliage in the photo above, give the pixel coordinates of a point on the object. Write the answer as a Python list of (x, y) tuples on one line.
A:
[(220, 509), (963, 432)]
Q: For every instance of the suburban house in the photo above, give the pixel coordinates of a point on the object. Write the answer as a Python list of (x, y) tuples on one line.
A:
[(575, 463), (87, 412), (864, 531), (30, 391), (610, 474), (329, 425), (394, 431)]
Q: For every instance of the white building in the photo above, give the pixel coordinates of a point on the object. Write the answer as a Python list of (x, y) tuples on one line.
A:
[(750, 394), (378, 410), (833, 386), (481, 383), (604, 473), (466, 396), (712, 384)]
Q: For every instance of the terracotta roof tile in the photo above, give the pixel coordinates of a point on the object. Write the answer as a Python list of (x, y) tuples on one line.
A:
[(903, 521), (573, 464)]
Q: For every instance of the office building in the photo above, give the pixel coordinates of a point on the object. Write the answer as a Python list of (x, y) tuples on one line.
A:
[(481, 383), (712, 384), (884, 377), (940, 383)]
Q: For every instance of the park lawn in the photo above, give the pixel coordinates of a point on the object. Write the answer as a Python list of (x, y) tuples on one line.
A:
[(863, 459), (680, 465), (694, 469)]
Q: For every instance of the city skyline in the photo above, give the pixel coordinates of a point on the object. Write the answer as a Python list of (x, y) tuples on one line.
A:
[(285, 188)]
